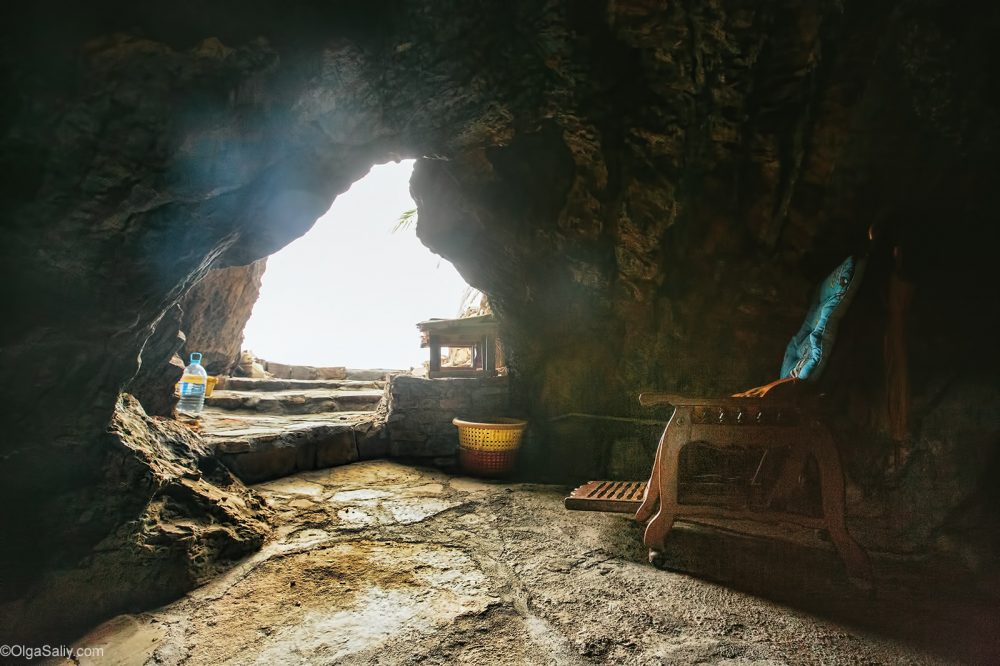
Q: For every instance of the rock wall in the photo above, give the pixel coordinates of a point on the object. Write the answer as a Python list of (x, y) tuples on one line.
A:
[(421, 410), (153, 384), (663, 228), (216, 310)]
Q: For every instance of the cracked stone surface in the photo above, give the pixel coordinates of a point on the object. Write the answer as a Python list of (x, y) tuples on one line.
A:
[(276, 384), (379, 563), (230, 432), (296, 401)]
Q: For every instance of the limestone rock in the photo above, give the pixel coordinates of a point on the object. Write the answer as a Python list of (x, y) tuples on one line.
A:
[(216, 311), (250, 366), (297, 401), (283, 371), (153, 385), (164, 517)]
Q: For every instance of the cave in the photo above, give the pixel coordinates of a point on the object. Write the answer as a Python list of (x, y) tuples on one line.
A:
[(647, 192), (353, 287)]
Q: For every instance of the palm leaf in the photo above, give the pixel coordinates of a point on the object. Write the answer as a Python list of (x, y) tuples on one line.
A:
[(407, 219)]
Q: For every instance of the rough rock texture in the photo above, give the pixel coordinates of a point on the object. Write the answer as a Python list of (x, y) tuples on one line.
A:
[(297, 400), (420, 411), (216, 310), (646, 191), (164, 516), (375, 563), (283, 371), (272, 384), (275, 427), (259, 447), (662, 226), (153, 385), (289, 450)]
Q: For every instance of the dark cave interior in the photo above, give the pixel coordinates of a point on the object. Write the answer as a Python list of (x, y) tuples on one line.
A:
[(647, 192)]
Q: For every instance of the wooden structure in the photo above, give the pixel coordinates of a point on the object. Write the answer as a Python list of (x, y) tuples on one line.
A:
[(732, 422), (477, 333), (783, 414)]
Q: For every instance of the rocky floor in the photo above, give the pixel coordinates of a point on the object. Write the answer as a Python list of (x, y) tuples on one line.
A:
[(379, 563)]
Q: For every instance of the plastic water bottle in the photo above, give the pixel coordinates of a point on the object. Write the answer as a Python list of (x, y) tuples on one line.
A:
[(193, 384)]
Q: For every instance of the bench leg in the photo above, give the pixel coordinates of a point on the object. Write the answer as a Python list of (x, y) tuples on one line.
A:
[(832, 479), (665, 471), (651, 498)]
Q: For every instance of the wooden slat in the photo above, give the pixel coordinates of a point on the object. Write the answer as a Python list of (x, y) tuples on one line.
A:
[(626, 496), (609, 496)]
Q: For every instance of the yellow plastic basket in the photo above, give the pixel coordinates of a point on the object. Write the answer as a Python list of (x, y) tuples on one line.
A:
[(499, 434)]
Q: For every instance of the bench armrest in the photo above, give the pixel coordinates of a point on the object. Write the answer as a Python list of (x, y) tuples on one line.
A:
[(653, 398)]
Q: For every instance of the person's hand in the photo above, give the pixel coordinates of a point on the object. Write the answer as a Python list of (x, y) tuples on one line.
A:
[(756, 392), (766, 389)]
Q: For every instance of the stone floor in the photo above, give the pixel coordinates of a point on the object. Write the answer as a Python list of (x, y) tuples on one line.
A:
[(379, 563)]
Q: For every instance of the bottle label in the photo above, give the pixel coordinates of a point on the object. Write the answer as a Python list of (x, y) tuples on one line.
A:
[(192, 386)]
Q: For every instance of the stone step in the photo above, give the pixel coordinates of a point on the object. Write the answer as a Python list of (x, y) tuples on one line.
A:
[(276, 384), (286, 371), (370, 374), (313, 401), (258, 447)]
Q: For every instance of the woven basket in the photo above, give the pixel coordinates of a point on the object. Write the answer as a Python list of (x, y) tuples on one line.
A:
[(487, 463), (489, 449)]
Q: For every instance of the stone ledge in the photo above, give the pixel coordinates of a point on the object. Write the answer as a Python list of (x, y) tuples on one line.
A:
[(296, 401), (258, 447), (421, 410), (277, 384)]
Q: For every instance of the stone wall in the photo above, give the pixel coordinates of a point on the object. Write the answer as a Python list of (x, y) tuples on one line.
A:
[(420, 411)]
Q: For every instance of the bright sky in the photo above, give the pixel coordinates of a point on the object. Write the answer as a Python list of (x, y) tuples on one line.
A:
[(349, 292)]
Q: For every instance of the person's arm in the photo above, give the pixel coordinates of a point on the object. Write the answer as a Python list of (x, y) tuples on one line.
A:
[(779, 387)]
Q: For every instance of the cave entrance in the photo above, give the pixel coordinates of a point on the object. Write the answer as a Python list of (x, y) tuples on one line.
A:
[(335, 319), (350, 291)]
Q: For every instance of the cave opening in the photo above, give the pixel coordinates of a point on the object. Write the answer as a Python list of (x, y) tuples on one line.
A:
[(332, 338), (350, 291)]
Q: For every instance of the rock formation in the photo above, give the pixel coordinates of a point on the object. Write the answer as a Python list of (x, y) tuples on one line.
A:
[(646, 192), (164, 513), (216, 311)]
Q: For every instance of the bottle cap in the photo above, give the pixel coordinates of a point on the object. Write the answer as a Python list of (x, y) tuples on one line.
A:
[(196, 358)]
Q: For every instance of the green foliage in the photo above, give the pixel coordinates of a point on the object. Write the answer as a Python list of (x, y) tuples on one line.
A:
[(407, 219)]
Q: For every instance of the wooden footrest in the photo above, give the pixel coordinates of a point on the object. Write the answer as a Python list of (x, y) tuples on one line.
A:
[(609, 496)]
